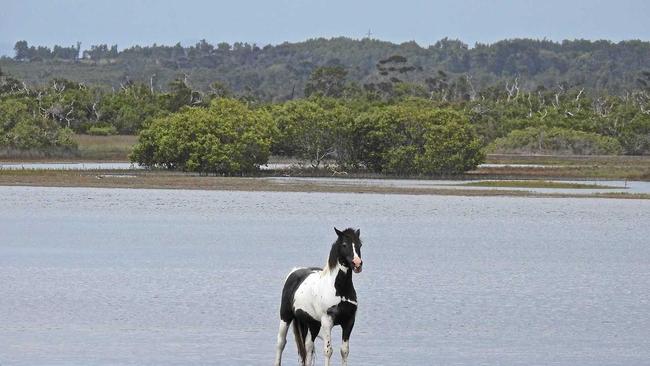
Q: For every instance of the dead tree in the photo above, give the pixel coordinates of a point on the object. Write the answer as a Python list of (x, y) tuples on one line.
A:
[(513, 90)]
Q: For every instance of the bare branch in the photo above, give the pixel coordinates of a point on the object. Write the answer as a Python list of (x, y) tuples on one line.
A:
[(151, 83), (543, 115), (68, 114), (601, 108), (96, 112), (472, 93), (556, 102), (513, 91), (58, 88), (579, 94)]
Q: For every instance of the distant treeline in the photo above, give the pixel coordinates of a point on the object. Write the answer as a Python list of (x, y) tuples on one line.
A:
[(280, 72), (24, 52)]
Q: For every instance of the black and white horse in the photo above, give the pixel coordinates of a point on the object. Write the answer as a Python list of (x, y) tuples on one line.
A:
[(316, 299)]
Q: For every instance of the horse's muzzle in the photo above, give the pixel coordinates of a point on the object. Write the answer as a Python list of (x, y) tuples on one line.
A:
[(358, 263)]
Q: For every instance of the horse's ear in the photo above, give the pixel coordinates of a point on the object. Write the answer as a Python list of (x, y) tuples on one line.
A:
[(338, 232), (357, 232)]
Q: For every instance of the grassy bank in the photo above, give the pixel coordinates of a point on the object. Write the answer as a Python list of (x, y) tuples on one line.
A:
[(602, 160), (171, 180), (91, 148), (105, 148), (565, 167), (535, 184)]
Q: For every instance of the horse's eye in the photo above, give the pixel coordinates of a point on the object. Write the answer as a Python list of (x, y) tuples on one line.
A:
[(345, 245)]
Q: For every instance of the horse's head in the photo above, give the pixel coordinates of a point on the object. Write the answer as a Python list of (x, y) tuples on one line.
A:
[(347, 249)]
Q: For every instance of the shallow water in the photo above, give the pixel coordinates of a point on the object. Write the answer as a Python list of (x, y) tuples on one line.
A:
[(172, 277), (614, 186), (608, 186), (90, 165), (70, 166)]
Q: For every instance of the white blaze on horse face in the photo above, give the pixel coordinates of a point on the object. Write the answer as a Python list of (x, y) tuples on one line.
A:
[(356, 260)]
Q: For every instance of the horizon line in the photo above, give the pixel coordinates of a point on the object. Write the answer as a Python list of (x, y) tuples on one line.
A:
[(192, 42)]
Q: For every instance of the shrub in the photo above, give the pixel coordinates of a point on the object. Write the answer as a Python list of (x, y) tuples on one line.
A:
[(408, 139), (635, 137), (26, 133), (544, 140), (310, 129), (225, 138)]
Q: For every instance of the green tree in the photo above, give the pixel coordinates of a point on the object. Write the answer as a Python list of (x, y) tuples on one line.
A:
[(226, 138), (180, 95), (68, 103), (21, 132), (127, 109), (310, 129), (409, 138), (326, 81), (219, 90), (635, 136), (22, 51), (12, 112)]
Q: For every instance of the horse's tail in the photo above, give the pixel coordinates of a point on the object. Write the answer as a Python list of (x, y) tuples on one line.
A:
[(300, 340)]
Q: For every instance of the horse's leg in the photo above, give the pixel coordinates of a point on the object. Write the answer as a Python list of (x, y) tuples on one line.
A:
[(345, 351), (345, 346), (327, 323), (282, 341), (314, 329), (309, 346)]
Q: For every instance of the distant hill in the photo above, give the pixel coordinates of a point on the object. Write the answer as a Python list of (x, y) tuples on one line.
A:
[(280, 71)]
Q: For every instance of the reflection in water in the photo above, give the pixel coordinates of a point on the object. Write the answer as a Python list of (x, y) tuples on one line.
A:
[(110, 276)]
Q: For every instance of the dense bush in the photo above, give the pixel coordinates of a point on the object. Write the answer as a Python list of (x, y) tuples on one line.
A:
[(410, 138), (226, 138), (635, 135), (127, 109), (555, 140), (23, 133), (311, 129)]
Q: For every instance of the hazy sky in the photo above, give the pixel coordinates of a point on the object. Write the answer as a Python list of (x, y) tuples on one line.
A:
[(128, 22)]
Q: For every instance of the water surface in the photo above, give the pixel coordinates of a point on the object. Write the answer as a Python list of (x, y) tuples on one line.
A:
[(173, 277)]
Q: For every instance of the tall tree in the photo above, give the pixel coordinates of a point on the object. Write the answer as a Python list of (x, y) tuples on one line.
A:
[(22, 51), (326, 81)]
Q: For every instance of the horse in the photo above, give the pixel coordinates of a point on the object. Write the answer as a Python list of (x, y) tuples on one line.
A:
[(315, 300)]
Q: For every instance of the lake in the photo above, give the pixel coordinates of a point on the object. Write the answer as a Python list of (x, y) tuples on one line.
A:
[(176, 277)]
